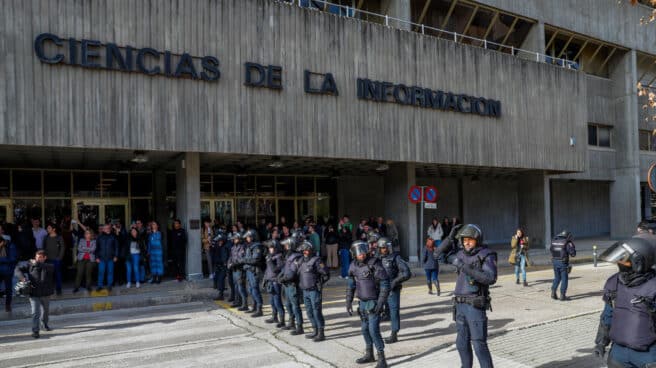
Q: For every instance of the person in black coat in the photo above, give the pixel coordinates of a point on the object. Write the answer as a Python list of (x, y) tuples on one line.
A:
[(178, 248), (25, 242), (41, 276)]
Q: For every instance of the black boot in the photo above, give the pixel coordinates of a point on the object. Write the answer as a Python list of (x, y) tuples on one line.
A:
[(517, 281), (382, 363), (554, 296), (292, 324), (281, 324), (437, 288), (392, 339), (563, 297), (525, 283), (235, 303), (244, 306), (258, 312), (298, 330), (320, 336), (232, 298), (273, 319), (220, 296), (368, 356), (313, 334), (430, 291)]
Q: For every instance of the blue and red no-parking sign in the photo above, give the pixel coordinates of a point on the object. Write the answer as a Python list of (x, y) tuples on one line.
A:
[(414, 195), (430, 194)]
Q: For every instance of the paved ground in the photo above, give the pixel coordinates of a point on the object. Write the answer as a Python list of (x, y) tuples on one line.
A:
[(522, 331)]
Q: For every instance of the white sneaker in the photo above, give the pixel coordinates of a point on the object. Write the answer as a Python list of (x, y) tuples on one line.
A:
[(129, 285), (138, 285)]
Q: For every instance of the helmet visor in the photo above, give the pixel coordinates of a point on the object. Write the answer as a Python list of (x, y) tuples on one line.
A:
[(618, 252), (359, 247)]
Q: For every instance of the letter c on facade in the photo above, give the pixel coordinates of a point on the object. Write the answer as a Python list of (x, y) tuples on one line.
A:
[(38, 48)]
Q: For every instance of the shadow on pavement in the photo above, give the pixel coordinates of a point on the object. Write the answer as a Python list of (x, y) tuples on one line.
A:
[(586, 361)]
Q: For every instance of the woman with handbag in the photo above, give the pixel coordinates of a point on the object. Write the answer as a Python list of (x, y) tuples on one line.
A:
[(519, 245)]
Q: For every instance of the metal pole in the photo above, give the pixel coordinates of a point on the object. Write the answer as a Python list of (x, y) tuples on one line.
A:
[(421, 226), (594, 255)]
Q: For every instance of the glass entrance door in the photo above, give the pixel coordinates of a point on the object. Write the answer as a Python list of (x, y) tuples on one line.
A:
[(94, 212), (217, 209), (6, 214)]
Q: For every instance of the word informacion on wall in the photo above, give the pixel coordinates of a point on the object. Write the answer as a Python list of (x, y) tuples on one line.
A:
[(52, 49)]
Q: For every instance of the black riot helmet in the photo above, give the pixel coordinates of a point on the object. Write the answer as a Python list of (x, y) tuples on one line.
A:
[(373, 236), (306, 245), (235, 236), (221, 236), (640, 252), (384, 243), (273, 244), (565, 234), (359, 247), (288, 244), (471, 231), (249, 234)]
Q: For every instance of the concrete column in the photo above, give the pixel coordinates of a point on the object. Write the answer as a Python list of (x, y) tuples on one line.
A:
[(399, 9), (535, 208), (398, 180), (625, 190), (187, 180), (534, 42), (160, 209)]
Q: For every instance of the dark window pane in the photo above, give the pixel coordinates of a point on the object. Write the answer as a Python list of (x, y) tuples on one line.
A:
[(114, 185), (245, 185), (86, 184), (266, 209), (57, 184), (285, 186), (27, 183), (592, 135), (305, 185), (206, 185), (265, 185), (246, 211), (141, 185), (643, 139), (56, 209), (4, 183), (141, 209), (224, 185), (26, 209), (325, 186), (652, 142), (603, 135), (170, 185)]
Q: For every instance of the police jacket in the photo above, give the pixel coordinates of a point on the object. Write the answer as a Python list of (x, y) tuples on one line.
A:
[(289, 273), (236, 260), (220, 253), (368, 279), (41, 276), (561, 249), (106, 247), (312, 273), (397, 270), (629, 316), (254, 258), (274, 265), (478, 272)]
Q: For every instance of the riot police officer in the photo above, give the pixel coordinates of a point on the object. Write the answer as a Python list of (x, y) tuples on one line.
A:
[(274, 265), (629, 316), (312, 275), (476, 266), (220, 253), (561, 249), (236, 267), (372, 240), (254, 262), (368, 278), (398, 272), (289, 279)]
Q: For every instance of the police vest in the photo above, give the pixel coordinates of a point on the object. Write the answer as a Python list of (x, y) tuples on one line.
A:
[(366, 284), (291, 265), (559, 249), (391, 266), (308, 275), (633, 323)]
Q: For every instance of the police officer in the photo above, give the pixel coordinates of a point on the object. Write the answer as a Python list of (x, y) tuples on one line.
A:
[(368, 278), (236, 267), (274, 265), (254, 262), (220, 253), (561, 249), (312, 275), (629, 316), (398, 272), (476, 266), (372, 240), (289, 279)]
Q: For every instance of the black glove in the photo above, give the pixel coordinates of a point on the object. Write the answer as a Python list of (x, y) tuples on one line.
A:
[(379, 308), (599, 351), (458, 263), (349, 308), (394, 284)]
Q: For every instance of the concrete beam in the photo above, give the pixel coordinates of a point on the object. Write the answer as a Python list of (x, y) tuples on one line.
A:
[(398, 180), (187, 178)]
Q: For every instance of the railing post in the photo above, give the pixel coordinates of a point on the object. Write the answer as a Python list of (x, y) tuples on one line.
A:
[(422, 29), (485, 44), (455, 37), (537, 57), (386, 20), (512, 50)]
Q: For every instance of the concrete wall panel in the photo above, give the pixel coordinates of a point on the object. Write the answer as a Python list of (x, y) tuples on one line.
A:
[(581, 207)]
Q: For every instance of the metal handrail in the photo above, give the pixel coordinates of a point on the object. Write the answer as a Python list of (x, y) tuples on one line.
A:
[(351, 12)]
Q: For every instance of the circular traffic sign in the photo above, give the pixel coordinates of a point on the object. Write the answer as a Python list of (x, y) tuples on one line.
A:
[(414, 195), (430, 194), (651, 177)]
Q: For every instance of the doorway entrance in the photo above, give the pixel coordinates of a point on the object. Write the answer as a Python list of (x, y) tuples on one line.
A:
[(6, 213), (217, 209), (95, 211)]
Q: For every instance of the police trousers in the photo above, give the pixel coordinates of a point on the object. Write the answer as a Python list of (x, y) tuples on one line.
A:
[(293, 302), (275, 290), (370, 326), (313, 308), (471, 325), (560, 276), (254, 287), (394, 305), (625, 357), (238, 279)]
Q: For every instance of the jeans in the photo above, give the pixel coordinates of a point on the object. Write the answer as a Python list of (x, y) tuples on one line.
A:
[(254, 287), (293, 302), (219, 277), (471, 324), (9, 291), (132, 267), (312, 299), (276, 299), (394, 304), (560, 276), (58, 273), (238, 278), (345, 260), (370, 327), (40, 311), (102, 266), (627, 357), (431, 275), (521, 267)]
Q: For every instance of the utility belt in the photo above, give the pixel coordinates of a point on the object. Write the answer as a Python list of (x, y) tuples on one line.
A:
[(477, 301)]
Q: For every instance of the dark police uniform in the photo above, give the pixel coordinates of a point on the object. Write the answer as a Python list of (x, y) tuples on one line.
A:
[(629, 316), (253, 263), (371, 283), (312, 274), (274, 265), (398, 272), (220, 253), (561, 249), (289, 279), (236, 266)]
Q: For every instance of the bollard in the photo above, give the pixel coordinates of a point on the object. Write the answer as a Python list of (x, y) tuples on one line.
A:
[(594, 255)]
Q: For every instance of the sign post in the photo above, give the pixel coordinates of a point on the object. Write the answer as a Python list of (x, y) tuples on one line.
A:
[(416, 196)]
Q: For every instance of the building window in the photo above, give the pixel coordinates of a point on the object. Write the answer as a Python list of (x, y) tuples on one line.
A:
[(647, 140), (599, 135)]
